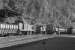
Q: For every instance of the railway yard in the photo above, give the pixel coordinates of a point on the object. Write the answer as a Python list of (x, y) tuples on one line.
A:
[(47, 22), (26, 34)]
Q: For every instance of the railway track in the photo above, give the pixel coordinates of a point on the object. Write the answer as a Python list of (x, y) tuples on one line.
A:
[(16, 40), (24, 39), (69, 36)]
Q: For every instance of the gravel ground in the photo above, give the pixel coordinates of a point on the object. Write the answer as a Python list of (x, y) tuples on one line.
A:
[(57, 43), (15, 40)]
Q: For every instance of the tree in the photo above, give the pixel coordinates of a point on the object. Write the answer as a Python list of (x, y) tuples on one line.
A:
[(43, 11)]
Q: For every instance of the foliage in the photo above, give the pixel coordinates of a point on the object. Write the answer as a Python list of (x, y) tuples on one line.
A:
[(44, 11)]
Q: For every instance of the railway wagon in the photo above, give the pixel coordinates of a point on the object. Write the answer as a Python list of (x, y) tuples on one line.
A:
[(61, 30), (43, 29), (50, 29), (26, 28), (16, 29), (69, 30), (6, 29)]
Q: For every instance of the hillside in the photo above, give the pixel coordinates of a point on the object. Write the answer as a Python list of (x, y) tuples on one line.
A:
[(57, 12)]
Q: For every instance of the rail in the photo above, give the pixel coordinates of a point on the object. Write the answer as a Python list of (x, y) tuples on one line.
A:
[(17, 40)]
